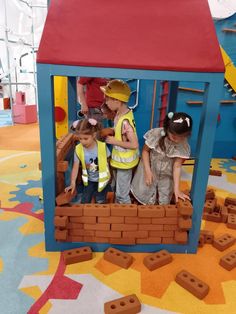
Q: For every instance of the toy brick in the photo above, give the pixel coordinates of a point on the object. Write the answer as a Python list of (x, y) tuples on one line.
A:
[(168, 241), (124, 227), (74, 225), (102, 227), (214, 216), (171, 210), (137, 220), (201, 241), (61, 221), (96, 239), (118, 257), (77, 255), (163, 234), (191, 283), (210, 194), (60, 182), (181, 237), (101, 210), (69, 210), (151, 227), (185, 207), (126, 305), (130, 210), (106, 132), (108, 234), (208, 236), (231, 208), (20, 98), (230, 201), (112, 220), (158, 259), (214, 172), (65, 198), (231, 223), (135, 234), (209, 206), (165, 221), (224, 213), (85, 220), (124, 241), (170, 227), (71, 238), (151, 211), (149, 240), (60, 234), (185, 223), (228, 261), (81, 232), (24, 114), (224, 242)]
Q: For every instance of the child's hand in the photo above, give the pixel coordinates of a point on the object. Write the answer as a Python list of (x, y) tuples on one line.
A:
[(111, 140), (70, 188), (179, 194), (148, 178)]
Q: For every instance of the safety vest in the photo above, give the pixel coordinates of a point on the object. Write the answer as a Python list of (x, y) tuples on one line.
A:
[(124, 158), (103, 170)]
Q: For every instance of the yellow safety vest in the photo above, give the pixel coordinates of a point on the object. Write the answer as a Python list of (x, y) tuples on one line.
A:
[(103, 169), (124, 158)]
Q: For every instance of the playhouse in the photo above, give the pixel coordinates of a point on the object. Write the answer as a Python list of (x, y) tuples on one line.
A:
[(131, 40)]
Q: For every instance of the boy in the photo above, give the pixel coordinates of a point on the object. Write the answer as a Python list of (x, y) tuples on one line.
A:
[(125, 154)]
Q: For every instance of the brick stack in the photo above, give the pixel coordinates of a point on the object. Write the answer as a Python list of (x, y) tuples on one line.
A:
[(124, 223)]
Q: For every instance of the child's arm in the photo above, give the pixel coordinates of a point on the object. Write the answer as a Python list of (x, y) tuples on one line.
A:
[(146, 164), (74, 174), (81, 98), (176, 177)]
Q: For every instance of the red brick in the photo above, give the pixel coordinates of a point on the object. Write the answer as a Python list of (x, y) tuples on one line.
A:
[(191, 283), (122, 210), (77, 255), (208, 236), (61, 221), (72, 238), (230, 201), (126, 305), (102, 227), (135, 234), (181, 237), (224, 242), (168, 241), (112, 220), (185, 207), (210, 194), (124, 227), (224, 213), (171, 210), (60, 234), (125, 241), (158, 259), (96, 239), (86, 220), (185, 223), (118, 257), (228, 261), (101, 210), (81, 232), (231, 208), (137, 220), (150, 227), (165, 221), (209, 206), (214, 172), (108, 234), (151, 211), (216, 217), (65, 198), (231, 223), (201, 240), (170, 227), (162, 234), (151, 240), (74, 225), (69, 211)]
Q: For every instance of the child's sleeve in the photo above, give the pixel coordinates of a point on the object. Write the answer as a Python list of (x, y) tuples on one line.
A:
[(152, 137)]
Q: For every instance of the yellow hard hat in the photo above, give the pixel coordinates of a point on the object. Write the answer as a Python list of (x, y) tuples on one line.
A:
[(117, 89)]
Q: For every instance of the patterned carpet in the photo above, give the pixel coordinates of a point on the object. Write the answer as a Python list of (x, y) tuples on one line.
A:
[(35, 281)]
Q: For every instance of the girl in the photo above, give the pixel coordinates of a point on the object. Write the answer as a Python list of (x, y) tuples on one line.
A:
[(92, 155), (164, 152)]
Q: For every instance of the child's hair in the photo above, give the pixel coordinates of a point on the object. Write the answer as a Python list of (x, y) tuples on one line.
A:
[(88, 126), (178, 123)]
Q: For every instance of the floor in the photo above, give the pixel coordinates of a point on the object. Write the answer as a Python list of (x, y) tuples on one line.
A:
[(35, 281)]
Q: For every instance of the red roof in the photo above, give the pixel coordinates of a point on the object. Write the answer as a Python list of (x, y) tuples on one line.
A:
[(136, 34)]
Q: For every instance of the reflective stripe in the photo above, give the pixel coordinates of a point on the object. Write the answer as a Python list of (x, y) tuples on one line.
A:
[(85, 179), (104, 174), (84, 172), (124, 159), (121, 149)]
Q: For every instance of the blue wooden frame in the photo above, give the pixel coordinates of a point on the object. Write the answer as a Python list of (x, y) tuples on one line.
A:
[(213, 82)]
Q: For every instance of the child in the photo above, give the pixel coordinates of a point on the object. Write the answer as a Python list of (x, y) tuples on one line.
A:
[(92, 155), (164, 152), (125, 155)]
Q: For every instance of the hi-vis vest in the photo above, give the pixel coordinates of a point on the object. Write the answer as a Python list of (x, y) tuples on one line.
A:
[(124, 158), (104, 173)]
